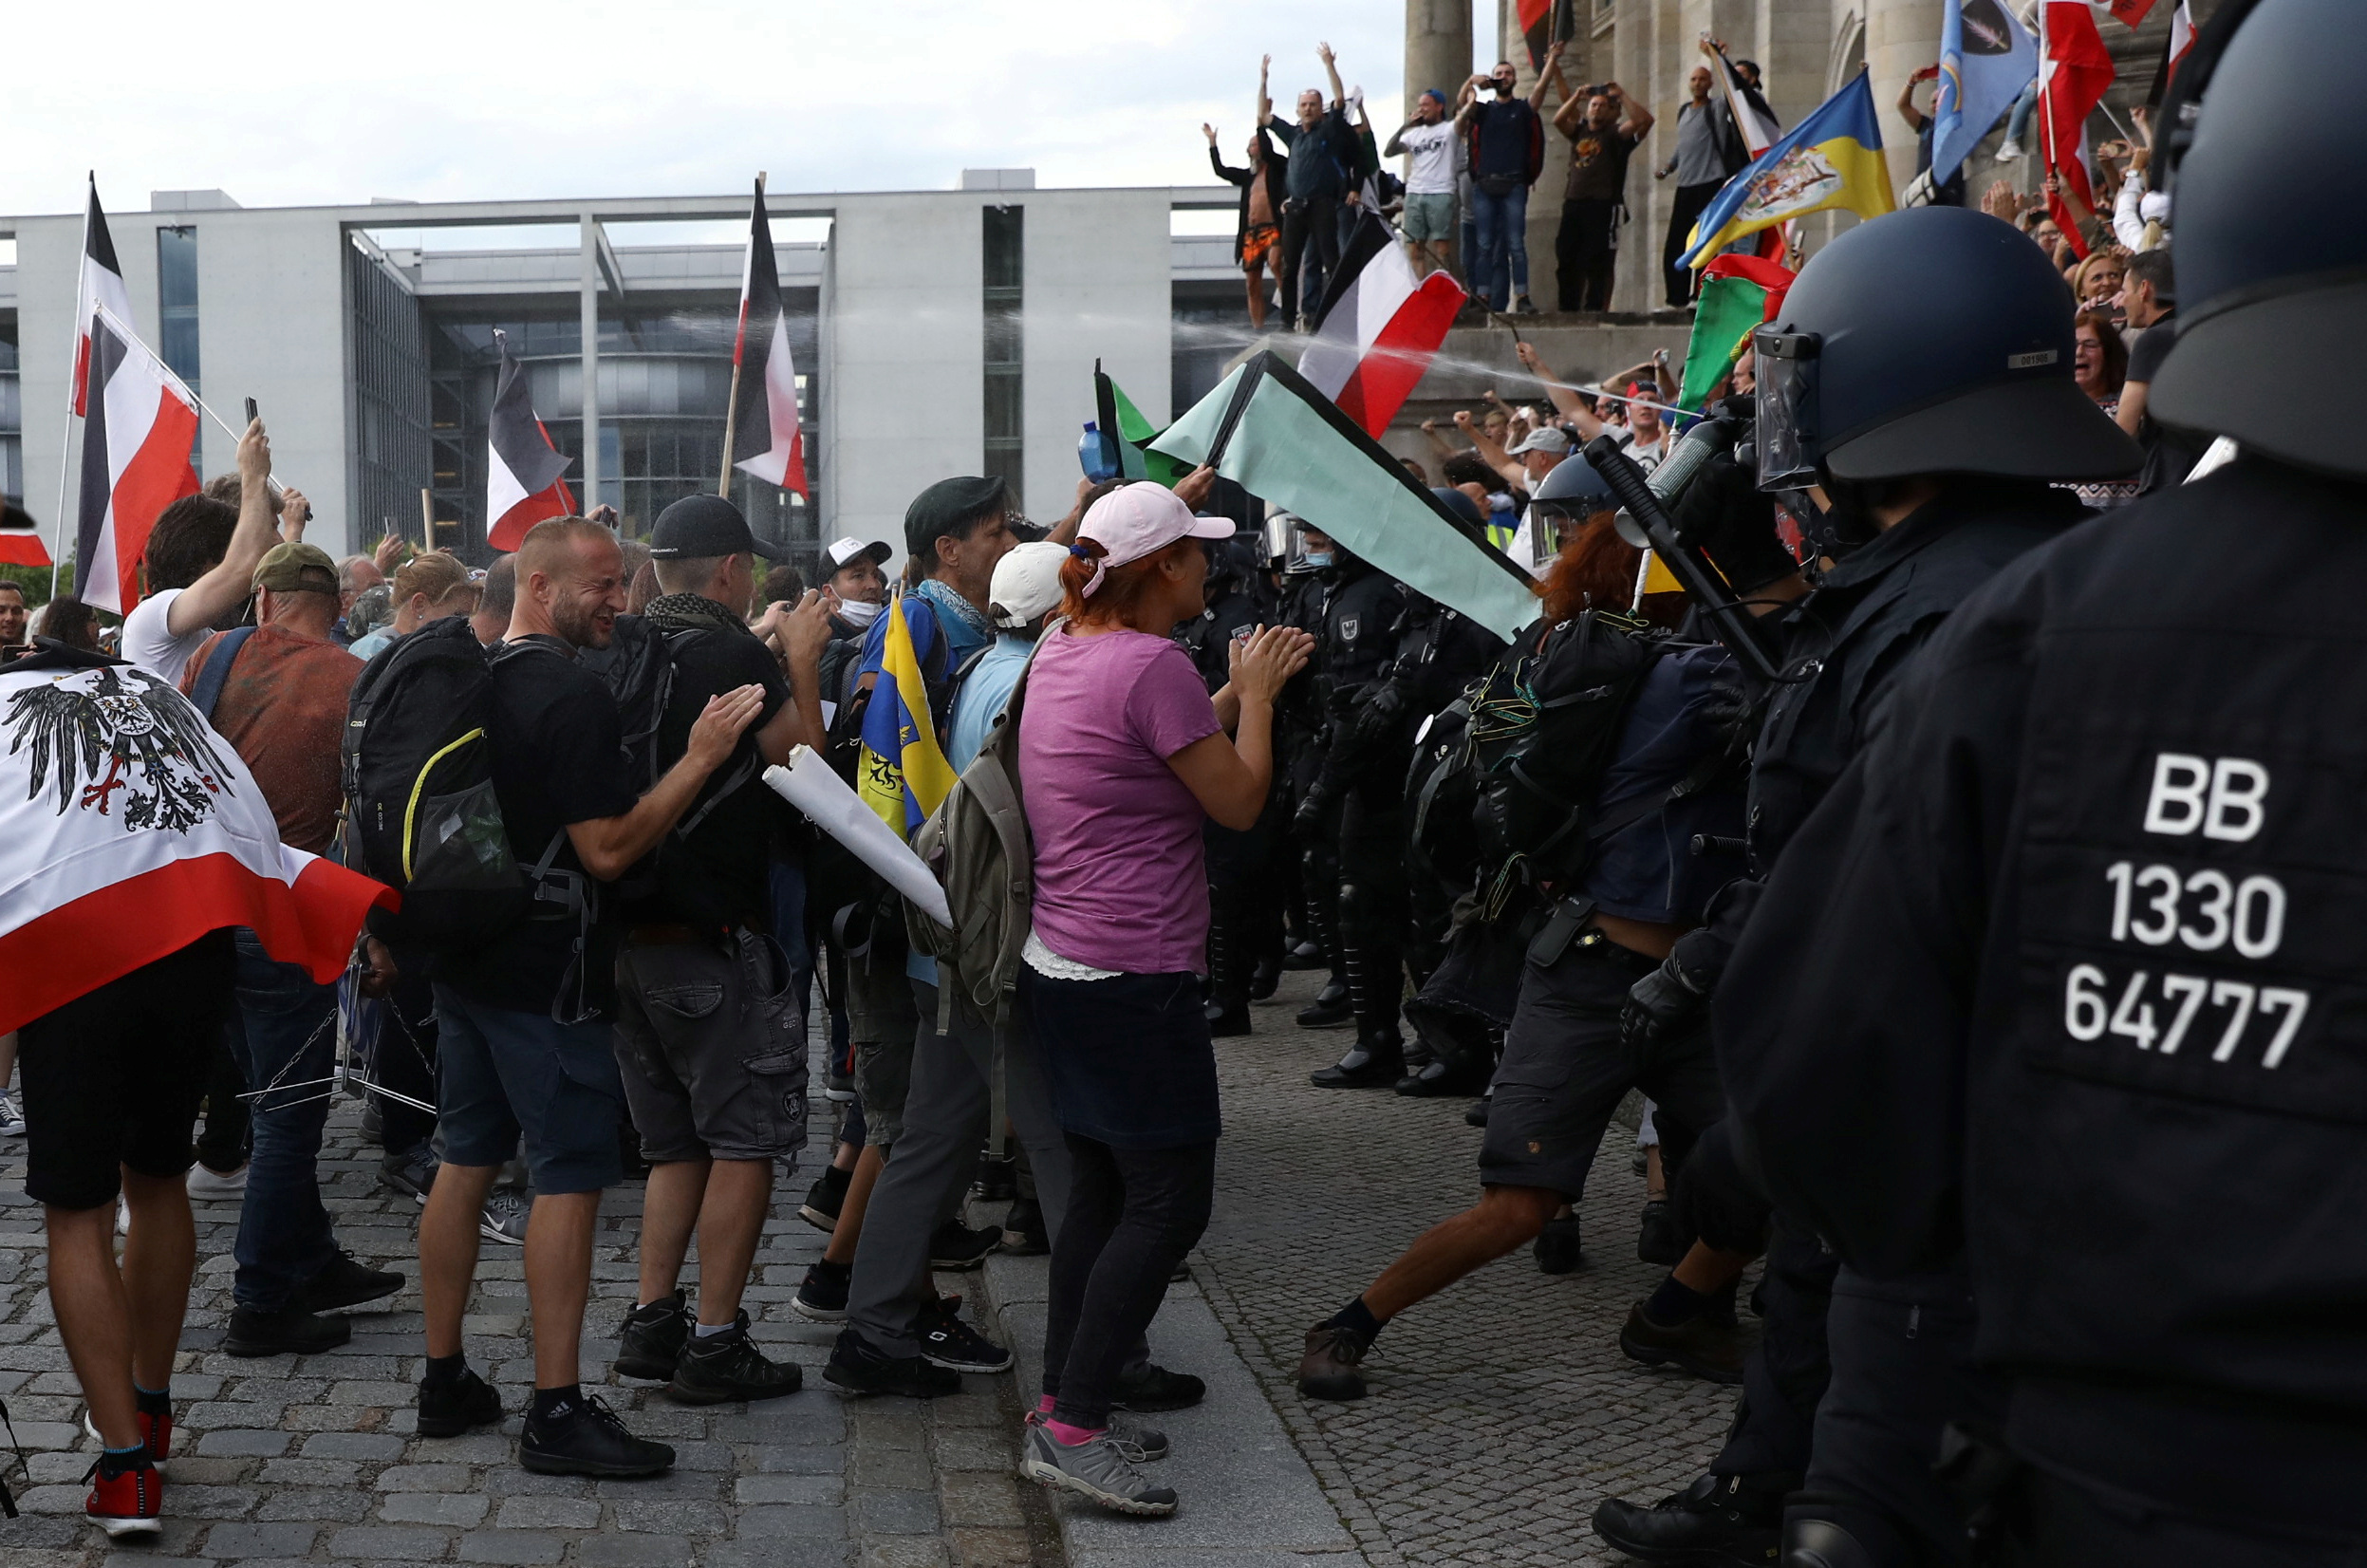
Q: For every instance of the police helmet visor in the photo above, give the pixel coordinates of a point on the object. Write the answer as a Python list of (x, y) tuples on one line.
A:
[(1788, 445)]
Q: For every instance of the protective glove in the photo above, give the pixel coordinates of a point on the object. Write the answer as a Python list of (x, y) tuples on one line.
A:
[(1377, 711), (1313, 816), (1664, 1002)]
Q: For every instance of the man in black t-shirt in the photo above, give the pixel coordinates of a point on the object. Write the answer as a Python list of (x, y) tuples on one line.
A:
[(521, 1051), (1604, 126), (710, 1038), (2147, 294)]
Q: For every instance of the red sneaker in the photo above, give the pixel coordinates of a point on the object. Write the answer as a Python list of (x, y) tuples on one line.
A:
[(129, 1503), (156, 1430)]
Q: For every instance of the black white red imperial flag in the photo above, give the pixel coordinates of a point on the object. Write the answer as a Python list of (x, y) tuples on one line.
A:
[(524, 480), (101, 288), (138, 428), (767, 438)]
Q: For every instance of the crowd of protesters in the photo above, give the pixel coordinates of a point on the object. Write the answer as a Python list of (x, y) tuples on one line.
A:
[(1229, 747)]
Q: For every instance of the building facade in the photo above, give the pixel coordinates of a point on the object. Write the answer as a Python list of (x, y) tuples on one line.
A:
[(934, 333)]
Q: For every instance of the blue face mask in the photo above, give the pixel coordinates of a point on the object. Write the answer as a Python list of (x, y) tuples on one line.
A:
[(1318, 558)]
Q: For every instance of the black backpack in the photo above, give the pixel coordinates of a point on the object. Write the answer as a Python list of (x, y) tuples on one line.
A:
[(1507, 803), (419, 809)]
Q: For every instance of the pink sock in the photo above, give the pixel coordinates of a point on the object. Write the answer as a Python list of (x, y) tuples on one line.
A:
[(1043, 1406), (1068, 1436)]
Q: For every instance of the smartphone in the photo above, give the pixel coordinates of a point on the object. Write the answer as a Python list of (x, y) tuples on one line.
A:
[(251, 415)]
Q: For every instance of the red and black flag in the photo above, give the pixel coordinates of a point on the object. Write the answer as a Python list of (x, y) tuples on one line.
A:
[(767, 440), (1542, 22), (524, 480), (102, 288), (20, 538)]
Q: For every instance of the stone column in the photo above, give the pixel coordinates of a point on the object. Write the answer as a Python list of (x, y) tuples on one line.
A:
[(1902, 37), (1438, 51)]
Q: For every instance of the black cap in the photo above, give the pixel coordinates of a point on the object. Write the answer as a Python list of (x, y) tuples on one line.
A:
[(698, 527), (945, 506)]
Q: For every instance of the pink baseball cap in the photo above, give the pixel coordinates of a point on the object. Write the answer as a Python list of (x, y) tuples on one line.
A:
[(1141, 519)]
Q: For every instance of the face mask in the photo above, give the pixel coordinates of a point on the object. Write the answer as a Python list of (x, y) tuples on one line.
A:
[(1318, 558), (859, 612)]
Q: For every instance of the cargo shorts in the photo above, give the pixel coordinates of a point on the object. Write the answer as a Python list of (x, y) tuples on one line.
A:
[(711, 1048)]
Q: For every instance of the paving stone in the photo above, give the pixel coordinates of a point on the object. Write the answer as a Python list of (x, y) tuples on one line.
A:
[(548, 1513), (423, 1478), (913, 1552), (981, 1498), (510, 1546), (788, 1488), (345, 1507), (780, 1554), (457, 1508), (790, 1521), (897, 1513), (260, 1541), (378, 1446), (613, 1551), (398, 1544), (249, 1444)]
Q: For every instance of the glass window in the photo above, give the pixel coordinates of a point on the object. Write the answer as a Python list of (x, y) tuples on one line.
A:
[(176, 310)]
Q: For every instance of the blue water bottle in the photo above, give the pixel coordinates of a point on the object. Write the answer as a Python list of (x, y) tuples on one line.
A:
[(1093, 456)]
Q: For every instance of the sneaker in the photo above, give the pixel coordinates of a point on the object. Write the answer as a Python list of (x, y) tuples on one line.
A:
[(292, 1331), (1328, 1370), (1140, 1445), (859, 1367), (1095, 1469), (411, 1171), (373, 1122), (822, 1297), (126, 1501), (1147, 1389), (347, 1283), (947, 1341), (1520, 305), (11, 1115), (1558, 1250), (652, 1338), (587, 1439), (1710, 1349), (154, 1415), (957, 1246), (717, 1366), (452, 1407), (1024, 1233), (505, 1216), (207, 1184), (825, 1199), (2008, 150)]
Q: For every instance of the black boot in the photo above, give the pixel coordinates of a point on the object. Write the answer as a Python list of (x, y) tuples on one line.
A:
[(1228, 984), (1717, 1520), (1377, 1059), (1330, 1007)]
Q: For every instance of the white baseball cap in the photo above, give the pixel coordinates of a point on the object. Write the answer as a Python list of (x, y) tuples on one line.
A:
[(1545, 437), (1026, 583), (845, 552), (1140, 519)]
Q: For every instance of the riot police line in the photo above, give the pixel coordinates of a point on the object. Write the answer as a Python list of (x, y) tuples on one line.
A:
[(1996, 992)]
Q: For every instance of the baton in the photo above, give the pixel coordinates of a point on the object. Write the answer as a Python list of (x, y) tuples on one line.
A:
[(1694, 571)]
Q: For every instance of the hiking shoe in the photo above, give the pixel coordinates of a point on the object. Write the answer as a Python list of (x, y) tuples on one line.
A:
[(11, 1115), (1716, 1520), (207, 1184), (717, 1366), (825, 1199), (452, 1407), (1095, 1469), (587, 1439), (292, 1331), (957, 1246), (1558, 1250), (125, 1500), (154, 1412), (1710, 1349), (505, 1216), (1149, 1389), (859, 1367), (347, 1283), (1140, 1445), (1024, 1233), (652, 1338), (822, 1298), (947, 1341), (411, 1171), (1328, 1370)]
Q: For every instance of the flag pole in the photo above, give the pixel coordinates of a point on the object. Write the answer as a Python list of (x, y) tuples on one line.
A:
[(740, 344), (428, 519), (65, 446)]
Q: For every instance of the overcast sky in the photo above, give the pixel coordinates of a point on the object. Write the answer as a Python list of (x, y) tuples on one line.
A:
[(281, 103)]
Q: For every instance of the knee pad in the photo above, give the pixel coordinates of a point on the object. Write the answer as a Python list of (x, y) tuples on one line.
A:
[(1822, 1544)]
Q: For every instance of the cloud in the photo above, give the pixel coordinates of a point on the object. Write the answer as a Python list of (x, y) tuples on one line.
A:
[(286, 103)]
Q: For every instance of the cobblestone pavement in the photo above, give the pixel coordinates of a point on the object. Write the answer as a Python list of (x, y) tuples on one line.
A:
[(1501, 1411), (313, 1459)]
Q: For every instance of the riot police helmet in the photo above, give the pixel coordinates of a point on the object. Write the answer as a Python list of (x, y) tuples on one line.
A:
[(1574, 487), (1931, 341), (2271, 282), (1463, 506)]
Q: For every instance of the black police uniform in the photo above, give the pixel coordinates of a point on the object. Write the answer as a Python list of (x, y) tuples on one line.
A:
[(1244, 929), (1299, 721), (2111, 1050), (1363, 773)]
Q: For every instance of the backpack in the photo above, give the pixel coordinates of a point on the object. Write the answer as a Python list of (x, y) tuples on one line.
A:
[(1508, 803), (419, 813), (977, 842), (637, 667)]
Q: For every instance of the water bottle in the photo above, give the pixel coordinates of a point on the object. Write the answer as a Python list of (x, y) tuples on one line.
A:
[(1093, 456)]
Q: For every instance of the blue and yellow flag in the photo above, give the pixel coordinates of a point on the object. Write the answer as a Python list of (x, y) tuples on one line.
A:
[(902, 773), (1831, 158)]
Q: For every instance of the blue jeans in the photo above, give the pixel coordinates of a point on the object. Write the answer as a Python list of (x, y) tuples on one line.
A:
[(285, 1029), (2018, 119), (1503, 225)]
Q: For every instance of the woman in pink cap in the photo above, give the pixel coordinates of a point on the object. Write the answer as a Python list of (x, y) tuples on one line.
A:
[(1123, 757)]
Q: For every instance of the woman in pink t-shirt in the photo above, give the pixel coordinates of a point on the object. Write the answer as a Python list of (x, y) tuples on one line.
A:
[(1123, 757)]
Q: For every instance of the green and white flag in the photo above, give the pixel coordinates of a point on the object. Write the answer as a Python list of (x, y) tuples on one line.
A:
[(1282, 440)]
